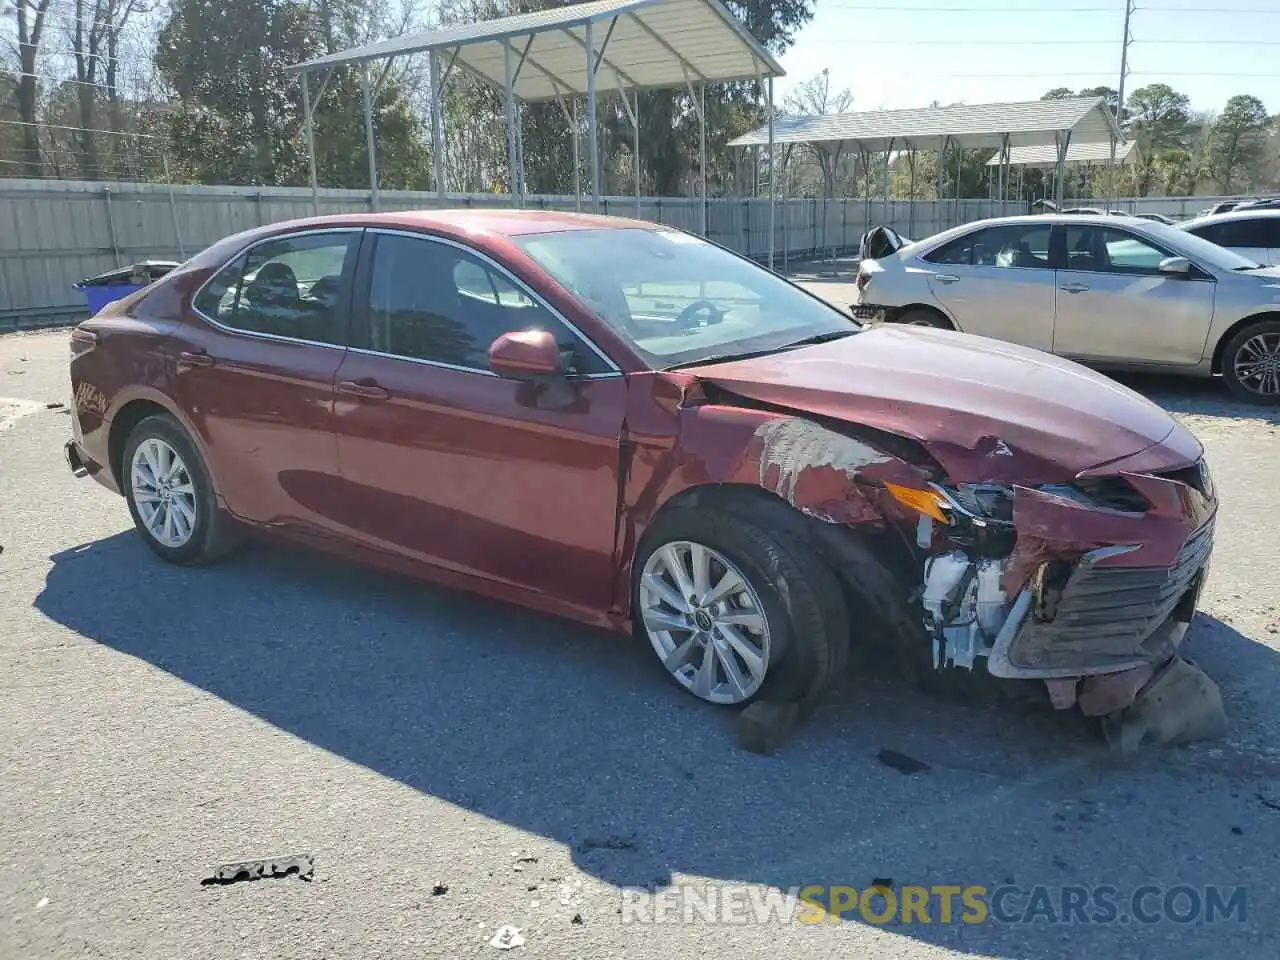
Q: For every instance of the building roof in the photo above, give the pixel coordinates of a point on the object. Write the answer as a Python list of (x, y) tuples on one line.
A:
[(1047, 155), (647, 44), (1033, 123)]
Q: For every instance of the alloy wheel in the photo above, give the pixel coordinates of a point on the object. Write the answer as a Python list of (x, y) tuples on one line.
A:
[(1257, 364), (163, 492), (705, 621)]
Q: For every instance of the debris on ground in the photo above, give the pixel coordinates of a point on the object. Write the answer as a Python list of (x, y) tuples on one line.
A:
[(901, 762), (577, 920), (43, 902), (300, 865), (883, 882), (766, 725), (1272, 802), (54, 405), (507, 938), (1180, 704), (439, 890), (569, 892), (615, 842)]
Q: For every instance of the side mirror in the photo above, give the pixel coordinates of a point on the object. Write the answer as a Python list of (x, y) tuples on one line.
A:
[(525, 355), (1175, 266)]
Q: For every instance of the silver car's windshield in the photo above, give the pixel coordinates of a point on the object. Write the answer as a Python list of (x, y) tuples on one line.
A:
[(678, 299), (1212, 255)]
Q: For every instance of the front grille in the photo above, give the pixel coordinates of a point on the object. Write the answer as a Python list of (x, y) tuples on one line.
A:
[(1105, 613)]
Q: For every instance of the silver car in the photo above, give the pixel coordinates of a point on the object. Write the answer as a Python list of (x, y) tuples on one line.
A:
[(1253, 233), (1113, 292)]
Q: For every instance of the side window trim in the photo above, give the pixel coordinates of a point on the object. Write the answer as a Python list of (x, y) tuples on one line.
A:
[(363, 287), (344, 297)]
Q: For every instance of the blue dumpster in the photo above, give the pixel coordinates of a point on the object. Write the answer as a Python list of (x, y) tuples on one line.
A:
[(119, 283)]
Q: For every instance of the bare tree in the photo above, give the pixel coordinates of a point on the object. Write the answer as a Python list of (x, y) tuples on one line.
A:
[(815, 98), (95, 45), (32, 16)]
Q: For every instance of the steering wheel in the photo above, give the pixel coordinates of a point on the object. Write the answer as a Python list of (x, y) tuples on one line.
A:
[(685, 321)]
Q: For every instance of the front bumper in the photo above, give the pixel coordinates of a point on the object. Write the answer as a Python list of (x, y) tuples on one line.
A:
[(1102, 620)]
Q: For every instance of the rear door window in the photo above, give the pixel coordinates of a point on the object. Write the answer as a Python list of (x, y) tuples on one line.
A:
[(289, 287), (1017, 246)]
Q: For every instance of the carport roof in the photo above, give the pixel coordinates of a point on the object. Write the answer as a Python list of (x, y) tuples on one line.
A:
[(1034, 123), (646, 44), (1047, 156)]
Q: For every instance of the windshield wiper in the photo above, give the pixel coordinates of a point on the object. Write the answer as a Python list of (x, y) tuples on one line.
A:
[(747, 355), (723, 358), (820, 338)]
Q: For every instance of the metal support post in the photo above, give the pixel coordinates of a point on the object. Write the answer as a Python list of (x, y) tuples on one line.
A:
[(593, 140), (309, 121), (437, 123), (509, 103), (375, 201), (773, 174)]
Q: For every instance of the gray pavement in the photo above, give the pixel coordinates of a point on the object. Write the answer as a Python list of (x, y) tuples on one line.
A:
[(158, 722)]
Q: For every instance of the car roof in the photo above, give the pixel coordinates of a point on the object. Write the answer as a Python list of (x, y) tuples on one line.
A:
[(1103, 219), (1265, 213)]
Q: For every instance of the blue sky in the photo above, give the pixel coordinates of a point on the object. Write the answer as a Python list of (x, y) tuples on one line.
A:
[(910, 53)]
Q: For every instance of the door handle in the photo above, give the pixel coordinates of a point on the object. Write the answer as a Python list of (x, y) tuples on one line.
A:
[(946, 278), (1073, 288), (195, 358), (366, 389)]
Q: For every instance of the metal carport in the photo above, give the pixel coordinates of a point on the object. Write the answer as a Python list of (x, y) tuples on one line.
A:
[(1045, 158), (1047, 124), (607, 46)]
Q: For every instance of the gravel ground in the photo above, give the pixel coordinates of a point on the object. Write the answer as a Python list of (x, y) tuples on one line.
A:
[(157, 722)]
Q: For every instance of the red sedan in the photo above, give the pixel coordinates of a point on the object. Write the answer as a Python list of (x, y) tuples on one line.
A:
[(633, 427)]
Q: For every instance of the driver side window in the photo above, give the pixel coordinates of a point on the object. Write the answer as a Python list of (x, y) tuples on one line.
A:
[(432, 301)]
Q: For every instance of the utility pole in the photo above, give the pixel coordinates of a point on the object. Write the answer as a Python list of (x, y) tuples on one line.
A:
[(1124, 66), (1124, 73)]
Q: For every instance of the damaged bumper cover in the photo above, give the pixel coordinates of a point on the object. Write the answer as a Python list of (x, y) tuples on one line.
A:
[(1088, 590)]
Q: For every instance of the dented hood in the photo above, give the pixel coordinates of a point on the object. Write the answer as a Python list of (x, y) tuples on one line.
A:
[(985, 409)]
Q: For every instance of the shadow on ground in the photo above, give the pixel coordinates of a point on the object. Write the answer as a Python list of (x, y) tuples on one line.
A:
[(574, 735)]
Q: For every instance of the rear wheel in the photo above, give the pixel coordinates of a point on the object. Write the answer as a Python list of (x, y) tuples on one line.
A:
[(1251, 363), (925, 318), (735, 612), (171, 497)]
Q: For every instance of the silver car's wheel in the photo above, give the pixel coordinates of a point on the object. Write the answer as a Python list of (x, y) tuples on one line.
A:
[(163, 492), (705, 621), (1256, 364)]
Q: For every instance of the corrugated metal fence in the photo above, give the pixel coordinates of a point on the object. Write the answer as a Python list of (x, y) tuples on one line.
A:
[(53, 233)]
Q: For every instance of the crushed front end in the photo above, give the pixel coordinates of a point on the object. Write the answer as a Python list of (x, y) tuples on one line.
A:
[(1089, 585)]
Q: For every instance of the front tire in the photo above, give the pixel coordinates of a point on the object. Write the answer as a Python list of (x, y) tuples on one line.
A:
[(171, 497), (735, 612), (1251, 363)]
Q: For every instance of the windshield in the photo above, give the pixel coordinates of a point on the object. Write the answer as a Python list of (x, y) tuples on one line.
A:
[(1220, 258), (678, 299)]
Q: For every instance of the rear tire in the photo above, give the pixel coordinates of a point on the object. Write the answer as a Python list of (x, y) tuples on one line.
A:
[(1255, 348), (171, 496), (920, 317), (807, 626)]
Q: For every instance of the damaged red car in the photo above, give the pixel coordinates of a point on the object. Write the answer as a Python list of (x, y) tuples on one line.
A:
[(633, 427)]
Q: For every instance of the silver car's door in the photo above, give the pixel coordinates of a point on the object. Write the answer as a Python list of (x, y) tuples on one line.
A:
[(1115, 304), (998, 282)]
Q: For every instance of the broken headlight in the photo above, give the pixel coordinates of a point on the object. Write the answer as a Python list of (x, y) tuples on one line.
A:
[(978, 503)]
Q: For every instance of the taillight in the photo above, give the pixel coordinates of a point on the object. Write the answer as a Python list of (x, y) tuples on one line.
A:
[(82, 341)]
